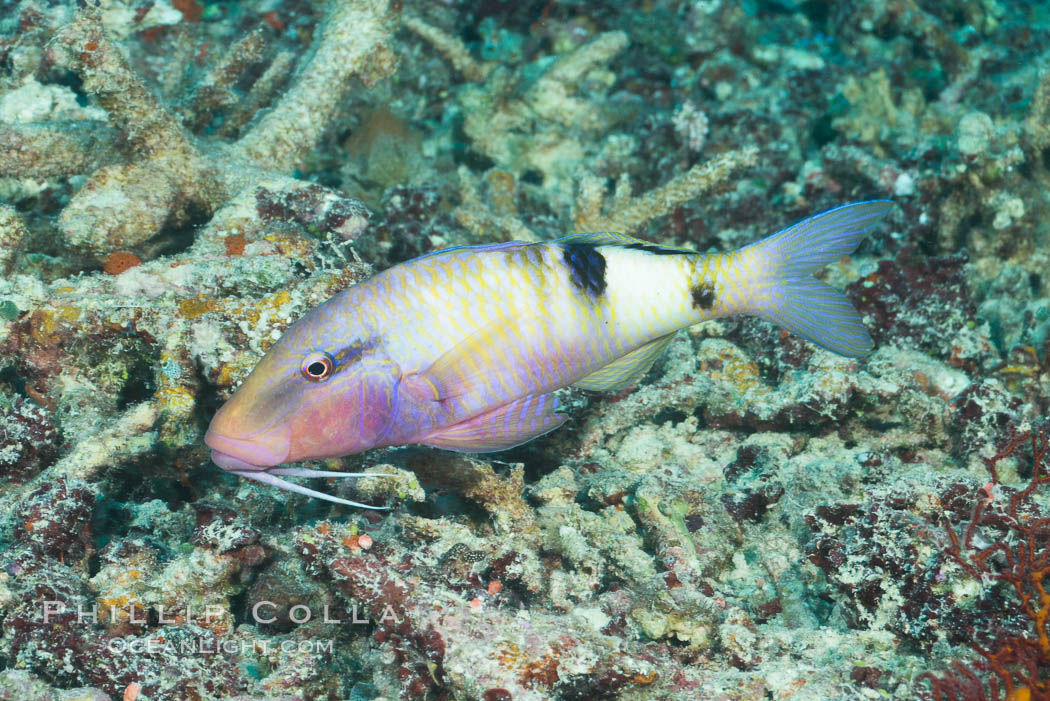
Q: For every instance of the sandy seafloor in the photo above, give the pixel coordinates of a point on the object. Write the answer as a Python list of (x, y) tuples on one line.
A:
[(757, 519)]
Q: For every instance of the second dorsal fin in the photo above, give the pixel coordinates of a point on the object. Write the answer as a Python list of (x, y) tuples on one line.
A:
[(609, 238)]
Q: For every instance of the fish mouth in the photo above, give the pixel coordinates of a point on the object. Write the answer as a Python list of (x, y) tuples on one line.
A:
[(239, 455)]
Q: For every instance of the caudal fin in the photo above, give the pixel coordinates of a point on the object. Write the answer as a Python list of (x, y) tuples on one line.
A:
[(806, 306)]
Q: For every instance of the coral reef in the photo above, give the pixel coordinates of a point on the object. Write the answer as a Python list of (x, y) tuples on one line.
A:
[(757, 518), (168, 180)]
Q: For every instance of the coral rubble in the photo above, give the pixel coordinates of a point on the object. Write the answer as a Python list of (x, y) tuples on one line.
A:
[(180, 180)]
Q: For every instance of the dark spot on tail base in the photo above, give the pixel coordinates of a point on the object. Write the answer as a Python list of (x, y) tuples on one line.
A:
[(586, 267), (703, 295)]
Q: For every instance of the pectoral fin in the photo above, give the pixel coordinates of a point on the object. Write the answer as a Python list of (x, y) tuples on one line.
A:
[(467, 368), (627, 370), (502, 428)]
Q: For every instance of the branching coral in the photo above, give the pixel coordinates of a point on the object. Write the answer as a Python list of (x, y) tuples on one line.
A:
[(121, 355), (501, 497), (169, 179), (454, 50), (353, 41), (539, 126), (128, 437), (909, 17), (627, 214), (54, 149), (542, 127)]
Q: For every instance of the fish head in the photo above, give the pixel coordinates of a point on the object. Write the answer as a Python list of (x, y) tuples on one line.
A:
[(306, 401)]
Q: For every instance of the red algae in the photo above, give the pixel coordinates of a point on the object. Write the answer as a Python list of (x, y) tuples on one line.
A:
[(120, 261)]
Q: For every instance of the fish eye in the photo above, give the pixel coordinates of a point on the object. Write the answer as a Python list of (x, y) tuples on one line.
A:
[(317, 368)]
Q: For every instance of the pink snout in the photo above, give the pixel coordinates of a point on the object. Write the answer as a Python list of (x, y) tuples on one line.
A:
[(240, 455)]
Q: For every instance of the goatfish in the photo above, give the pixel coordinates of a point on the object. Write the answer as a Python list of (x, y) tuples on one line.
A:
[(464, 348)]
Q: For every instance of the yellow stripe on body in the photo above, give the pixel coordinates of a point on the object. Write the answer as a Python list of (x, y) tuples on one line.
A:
[(463, 286), (487, 295), (505, 333), (545, 331)]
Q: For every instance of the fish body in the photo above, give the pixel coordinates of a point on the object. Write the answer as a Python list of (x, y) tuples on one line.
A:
[(463, 348)]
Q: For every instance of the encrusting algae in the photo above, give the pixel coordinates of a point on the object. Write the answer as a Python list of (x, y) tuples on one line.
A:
[(748, 516)]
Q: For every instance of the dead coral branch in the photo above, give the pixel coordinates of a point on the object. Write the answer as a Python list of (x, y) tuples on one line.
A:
[(83, 46), (354, 42), (628, 215), (1037, 125), (123, 205), (454, 50), (54, 149), (129, 436), (216, 90), (168, 178)]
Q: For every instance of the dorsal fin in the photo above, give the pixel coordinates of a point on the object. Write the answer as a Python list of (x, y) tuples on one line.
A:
[(609, 238), (478, 247), (599, 238)]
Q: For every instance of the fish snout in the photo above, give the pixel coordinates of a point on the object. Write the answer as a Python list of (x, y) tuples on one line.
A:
[(257, 451)]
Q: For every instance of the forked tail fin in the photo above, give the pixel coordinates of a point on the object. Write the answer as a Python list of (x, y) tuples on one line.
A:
[(806, 306)]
